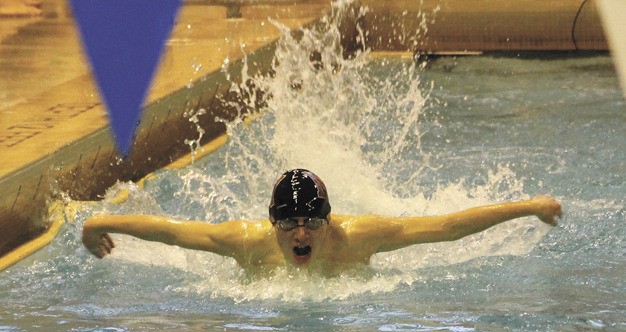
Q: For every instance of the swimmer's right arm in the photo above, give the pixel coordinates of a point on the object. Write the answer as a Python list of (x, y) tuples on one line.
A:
[(223, 238)]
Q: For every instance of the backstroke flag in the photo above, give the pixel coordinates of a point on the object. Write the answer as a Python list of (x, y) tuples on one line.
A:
[(123, 40)]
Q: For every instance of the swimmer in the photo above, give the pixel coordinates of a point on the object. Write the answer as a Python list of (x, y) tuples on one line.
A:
[(302, 232)]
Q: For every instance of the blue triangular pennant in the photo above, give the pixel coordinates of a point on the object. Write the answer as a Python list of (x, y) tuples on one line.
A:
[(123, 40)]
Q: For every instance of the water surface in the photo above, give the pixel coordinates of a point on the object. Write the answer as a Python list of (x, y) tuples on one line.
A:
[(389, 137)]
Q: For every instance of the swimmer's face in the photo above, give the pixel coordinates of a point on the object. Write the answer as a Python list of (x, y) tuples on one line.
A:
[(299, 238)]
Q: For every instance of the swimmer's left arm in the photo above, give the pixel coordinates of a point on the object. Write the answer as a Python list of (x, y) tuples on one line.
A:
[(397, 233)]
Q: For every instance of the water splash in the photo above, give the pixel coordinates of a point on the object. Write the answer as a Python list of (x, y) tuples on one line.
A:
[(194, 144)]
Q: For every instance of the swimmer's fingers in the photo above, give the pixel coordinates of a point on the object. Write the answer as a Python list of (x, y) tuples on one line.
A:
[(549, 210), (110, 243), (105, 245), (98, 243)]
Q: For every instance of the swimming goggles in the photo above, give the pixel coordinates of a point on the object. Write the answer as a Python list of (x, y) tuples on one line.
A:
[(292, 223)]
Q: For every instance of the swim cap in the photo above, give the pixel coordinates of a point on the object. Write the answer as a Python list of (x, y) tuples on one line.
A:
[(299, 193)]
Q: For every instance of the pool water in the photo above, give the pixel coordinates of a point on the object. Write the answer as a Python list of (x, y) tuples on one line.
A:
[(388, 136)]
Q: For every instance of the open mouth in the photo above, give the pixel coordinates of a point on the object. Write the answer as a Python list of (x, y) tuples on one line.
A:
[(304, 251)]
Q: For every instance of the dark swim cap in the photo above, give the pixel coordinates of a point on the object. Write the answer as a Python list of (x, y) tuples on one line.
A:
[(299, 193)]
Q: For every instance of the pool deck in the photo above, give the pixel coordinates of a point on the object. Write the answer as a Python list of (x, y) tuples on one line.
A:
[(54, 135)]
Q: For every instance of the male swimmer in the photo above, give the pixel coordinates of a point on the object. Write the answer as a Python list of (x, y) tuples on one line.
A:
[(302, 232)]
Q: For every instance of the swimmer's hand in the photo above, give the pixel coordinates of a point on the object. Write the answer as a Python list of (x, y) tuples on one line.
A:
[(548, 210), (98, 243)]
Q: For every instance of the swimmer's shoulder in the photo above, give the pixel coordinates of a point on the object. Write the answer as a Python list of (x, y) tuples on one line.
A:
[(366, 226), (345, 220), (360, 235), (258, 248), (254, 231), (249, 240), (237, 232), (247, 227)]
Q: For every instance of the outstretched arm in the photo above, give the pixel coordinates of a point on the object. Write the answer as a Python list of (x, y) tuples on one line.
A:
[(223, 238), (450, 227)]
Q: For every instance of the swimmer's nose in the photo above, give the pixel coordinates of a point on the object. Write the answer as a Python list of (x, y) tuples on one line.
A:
[(301, 233)]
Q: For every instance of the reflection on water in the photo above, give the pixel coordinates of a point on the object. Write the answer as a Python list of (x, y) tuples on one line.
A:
[(387, 137)]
